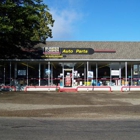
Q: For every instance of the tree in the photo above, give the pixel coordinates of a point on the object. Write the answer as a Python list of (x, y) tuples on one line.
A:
[(23, 22)]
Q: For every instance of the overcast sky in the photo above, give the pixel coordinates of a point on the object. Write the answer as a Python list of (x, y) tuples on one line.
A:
[(95, 20)]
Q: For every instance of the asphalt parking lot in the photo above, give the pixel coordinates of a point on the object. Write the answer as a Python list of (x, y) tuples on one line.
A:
[(81, 105)]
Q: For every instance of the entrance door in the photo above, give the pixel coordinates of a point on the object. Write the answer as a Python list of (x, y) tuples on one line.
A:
[(68, 74)]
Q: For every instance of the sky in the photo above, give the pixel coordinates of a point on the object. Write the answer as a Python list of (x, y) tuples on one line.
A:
[(95, 20)]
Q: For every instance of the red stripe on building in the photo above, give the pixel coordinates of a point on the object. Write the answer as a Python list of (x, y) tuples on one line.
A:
[(104, 51)]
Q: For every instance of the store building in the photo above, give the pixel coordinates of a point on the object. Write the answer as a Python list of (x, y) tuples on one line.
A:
[(76, 63)]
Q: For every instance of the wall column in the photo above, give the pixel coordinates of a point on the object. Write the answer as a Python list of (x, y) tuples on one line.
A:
[(125, 73), (39, 73), (10, 73), (49, 73), (4, 75), (131, 75), (110, 76), (15, 75), (87, 72), (96, 74), (27, 74), (120, 73)]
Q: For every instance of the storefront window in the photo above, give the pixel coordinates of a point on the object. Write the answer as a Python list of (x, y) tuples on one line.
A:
[(70, 74)]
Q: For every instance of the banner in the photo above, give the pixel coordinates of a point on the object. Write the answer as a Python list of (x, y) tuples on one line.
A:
[(90, 74)]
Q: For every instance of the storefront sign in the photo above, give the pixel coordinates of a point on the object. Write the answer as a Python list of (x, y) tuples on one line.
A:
[(51, 50), (56, 52), (52, 56), (76, 51), (115, 72)]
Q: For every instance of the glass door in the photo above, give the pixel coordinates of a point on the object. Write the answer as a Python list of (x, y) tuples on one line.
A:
[(68, 77)]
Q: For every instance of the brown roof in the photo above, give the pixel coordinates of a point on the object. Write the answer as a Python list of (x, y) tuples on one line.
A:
[(104, 51), (122, 50)]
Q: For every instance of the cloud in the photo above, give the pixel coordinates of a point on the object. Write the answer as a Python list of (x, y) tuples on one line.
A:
[(65, 22), (63, 26)]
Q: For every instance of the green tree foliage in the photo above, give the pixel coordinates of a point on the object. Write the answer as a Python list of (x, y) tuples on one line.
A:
[(23, 22)]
